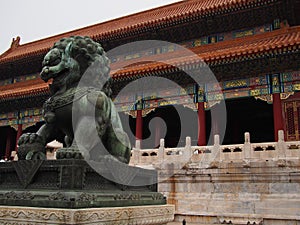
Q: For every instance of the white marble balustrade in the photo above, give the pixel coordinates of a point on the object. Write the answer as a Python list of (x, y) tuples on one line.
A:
[(280, 150)]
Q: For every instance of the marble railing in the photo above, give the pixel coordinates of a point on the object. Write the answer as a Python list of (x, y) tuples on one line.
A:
[(247, 152)]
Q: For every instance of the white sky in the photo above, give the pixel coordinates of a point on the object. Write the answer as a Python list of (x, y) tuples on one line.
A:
[(36, 19)]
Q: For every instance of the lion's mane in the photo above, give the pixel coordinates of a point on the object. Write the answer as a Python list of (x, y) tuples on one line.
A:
[(91, 59)]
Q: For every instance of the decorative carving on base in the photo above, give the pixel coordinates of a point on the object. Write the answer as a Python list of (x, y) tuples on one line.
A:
[(147, 215), (26, 170), (20, 215), (57, 197)]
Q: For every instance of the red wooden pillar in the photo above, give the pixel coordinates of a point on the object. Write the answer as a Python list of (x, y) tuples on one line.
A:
[(277, 115), (201, 125), (139, 125), (8, 144), (19, 133)]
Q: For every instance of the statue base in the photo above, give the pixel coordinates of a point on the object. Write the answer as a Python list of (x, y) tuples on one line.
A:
[(73, 184), (70, 192), (147, 215)]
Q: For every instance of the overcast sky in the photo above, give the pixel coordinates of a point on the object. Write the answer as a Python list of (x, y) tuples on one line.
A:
[(36, 19)]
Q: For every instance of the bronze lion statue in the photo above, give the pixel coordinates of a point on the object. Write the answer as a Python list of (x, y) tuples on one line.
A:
[(80, 106)]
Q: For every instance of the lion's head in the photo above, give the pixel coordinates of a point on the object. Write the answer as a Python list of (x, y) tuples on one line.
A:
[(70, 58)]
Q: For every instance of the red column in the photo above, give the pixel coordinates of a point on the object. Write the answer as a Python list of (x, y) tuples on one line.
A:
[(19, 133), (8, 144), (139, 125), (277, 115), (201, 125)]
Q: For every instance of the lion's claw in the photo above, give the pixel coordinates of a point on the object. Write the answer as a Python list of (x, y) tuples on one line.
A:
[(30, 138), (29, 145)]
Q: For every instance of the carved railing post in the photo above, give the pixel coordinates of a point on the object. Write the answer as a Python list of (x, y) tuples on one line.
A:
[(187, 154), (216, 154), (247, 151), (161, 151), (138, 144), (281, 145), (136, 152)]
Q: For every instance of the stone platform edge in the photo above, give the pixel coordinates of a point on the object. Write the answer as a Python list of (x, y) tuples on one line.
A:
[(152, 215)]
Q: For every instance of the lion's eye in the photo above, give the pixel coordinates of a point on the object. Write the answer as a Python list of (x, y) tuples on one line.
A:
[(51, 61), (52, 58)]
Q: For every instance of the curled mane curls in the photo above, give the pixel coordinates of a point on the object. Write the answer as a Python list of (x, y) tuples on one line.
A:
[(91, 59)]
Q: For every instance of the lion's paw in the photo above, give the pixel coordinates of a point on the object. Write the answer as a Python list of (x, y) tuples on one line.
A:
[(68, 153), (31, 146), (30, 138)]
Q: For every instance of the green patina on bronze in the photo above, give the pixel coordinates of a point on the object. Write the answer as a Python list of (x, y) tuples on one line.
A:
[(66, 63), (71, 182)]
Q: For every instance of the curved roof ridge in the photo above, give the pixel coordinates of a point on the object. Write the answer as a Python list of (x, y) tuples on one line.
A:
[(125, 23)]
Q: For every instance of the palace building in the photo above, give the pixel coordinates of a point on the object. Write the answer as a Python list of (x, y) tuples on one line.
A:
[(251, 46)]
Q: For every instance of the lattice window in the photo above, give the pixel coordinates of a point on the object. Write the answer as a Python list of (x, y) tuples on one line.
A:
[(290, 121), (292, 118)]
